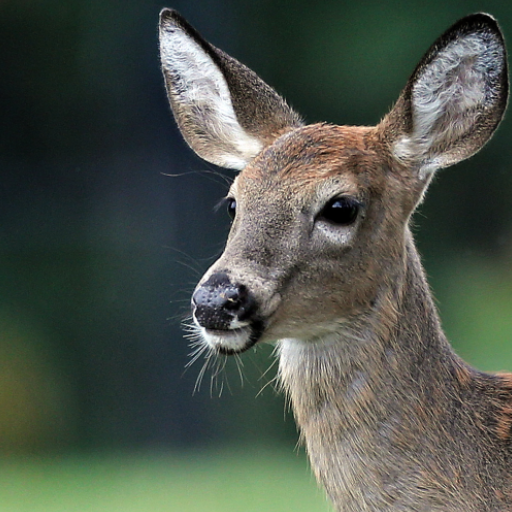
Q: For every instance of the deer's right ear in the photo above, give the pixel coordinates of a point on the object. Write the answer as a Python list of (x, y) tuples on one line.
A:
[(225, 112)]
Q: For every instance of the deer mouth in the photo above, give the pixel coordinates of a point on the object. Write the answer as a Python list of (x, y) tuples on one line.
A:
[(232, 341)]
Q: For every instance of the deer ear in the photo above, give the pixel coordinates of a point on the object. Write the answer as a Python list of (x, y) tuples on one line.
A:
[(225, 112), (454, 100)]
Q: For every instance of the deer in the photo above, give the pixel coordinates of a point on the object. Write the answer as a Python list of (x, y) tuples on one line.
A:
[(321, 262)]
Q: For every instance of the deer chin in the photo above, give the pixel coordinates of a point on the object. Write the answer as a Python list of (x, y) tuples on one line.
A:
[(234, 340)]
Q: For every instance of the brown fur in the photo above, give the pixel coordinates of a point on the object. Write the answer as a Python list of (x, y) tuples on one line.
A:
[(391, 418)]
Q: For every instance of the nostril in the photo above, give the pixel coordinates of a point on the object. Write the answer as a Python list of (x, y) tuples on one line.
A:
[(216, 304), (233, 298)]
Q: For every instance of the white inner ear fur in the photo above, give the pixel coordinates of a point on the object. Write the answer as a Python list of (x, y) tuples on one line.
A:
[(447, 99), (202, 90)]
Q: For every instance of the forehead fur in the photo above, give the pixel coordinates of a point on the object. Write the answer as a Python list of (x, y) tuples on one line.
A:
[(318, 150)]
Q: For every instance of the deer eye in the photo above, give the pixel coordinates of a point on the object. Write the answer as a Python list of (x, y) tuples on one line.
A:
[(341, 211), (231, 207)]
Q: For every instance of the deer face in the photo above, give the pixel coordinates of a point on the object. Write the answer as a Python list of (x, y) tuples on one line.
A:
[(318, 217)]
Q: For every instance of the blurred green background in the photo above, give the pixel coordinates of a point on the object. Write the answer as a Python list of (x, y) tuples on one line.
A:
[(100, 250)]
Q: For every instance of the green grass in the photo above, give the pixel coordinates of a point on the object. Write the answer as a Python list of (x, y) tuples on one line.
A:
[(193, 482)]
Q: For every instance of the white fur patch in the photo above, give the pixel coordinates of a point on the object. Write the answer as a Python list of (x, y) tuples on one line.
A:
[(235, 340), (449, 96), (202, 89)]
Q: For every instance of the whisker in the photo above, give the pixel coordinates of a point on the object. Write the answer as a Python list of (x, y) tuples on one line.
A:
[(239, 367), (195, 355), (272, 364), (272, 381), (200, 376), (206, 173)]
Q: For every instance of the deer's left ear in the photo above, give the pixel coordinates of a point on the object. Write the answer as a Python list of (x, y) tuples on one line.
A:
[(454, 100), (225, 112)]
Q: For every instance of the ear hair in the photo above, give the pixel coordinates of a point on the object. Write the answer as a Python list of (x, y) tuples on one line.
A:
[(225, 112), (455, 98)]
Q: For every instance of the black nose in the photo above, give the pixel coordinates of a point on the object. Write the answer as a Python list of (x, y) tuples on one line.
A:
[(218, 302)]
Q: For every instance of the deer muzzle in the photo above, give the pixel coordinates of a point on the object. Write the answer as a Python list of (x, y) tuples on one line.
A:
[(226, 314)]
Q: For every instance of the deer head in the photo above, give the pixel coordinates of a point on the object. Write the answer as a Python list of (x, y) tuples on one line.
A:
[(320, 212)]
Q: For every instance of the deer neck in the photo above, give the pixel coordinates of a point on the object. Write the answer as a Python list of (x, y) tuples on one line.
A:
[(360, 393)]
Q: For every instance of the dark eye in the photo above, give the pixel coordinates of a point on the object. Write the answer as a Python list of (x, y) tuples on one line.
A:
[(341, 211), (231, 207)]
